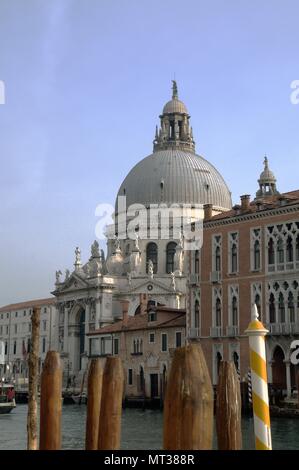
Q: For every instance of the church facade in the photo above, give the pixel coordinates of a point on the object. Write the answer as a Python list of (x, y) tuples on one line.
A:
[(93, 294)]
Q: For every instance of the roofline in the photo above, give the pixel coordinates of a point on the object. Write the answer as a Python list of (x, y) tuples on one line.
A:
[(28, 304)]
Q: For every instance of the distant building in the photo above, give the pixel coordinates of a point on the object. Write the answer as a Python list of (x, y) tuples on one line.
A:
[(250, 255), (145, 343), (15, 333)]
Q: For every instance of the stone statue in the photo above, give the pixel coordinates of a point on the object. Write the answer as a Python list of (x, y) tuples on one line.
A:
[(173, 283), (136, 243), (151, 269), (78, 255), (87, 269), (67, 274), (116, 243), (129, 276), (58, 274), (95, 252)]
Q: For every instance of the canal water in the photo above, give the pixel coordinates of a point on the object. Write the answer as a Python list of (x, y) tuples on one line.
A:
[(140, 430)]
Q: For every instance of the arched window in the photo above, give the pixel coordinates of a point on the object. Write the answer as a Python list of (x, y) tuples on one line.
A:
[(291, 308), (218, 312), (196, 314), (290, 252), (170, 252), (234, 311), (280, 251), (236, 360), (218, 259), (271, 252), (234, 259), (218, 362), (272, 310), (152, 254), (196, 264), (257, 255), (297, 248), (257, 302), (281, 308)]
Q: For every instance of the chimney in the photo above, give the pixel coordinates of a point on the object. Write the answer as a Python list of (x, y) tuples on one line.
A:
[(125, 308), (245, 203), (207, 208)]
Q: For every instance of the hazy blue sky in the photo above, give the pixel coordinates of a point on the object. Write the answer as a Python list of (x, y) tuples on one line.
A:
[(85, 83)]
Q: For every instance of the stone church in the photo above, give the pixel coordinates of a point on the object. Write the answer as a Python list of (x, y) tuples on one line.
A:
[(141, 268)]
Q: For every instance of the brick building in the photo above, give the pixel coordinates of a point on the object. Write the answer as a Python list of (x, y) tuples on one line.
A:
[(250, 254)]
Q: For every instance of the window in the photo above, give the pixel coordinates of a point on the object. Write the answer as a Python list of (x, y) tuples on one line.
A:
[(152, 255), (272, 310), (28, 345), (280, 252), (15, 347), (234, 311), (1, 330), (5, 348), (44, 345), (16, 328), (271, 252), (257, 302), (151, 338), (170, 252), (196, 262), (29, 327), (196, 314), (164, 342), (216, 254), (115, 346), (178, 339), (290, 253), (45, 310), (257, 256), (291, 308), (218, 259), (44, 325), (7, 315), (152, 315), (24, 313), (218, 312), (281, 308), (130, 376), (7, 329), (16, 315), (233, 252), (137, 346)]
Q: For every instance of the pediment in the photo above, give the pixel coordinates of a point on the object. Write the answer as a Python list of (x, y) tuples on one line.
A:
[(75, 282), (150, 286)]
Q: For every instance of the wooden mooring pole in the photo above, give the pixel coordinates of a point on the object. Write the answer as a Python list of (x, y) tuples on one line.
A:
[(51, 403), (94, 394), (33, 381), (188, 404), (228, 408), (111, 405)]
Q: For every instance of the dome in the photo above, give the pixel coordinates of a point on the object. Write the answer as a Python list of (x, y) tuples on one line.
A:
[(175, 176), (175, 106)]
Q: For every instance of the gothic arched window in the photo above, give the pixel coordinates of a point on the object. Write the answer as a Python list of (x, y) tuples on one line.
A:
[(196, 267), (297, 248), (234, 311), (280, 251), (196, 314), (271, 253), (257, 302), (281, 308), (152, 254), (218, 259), (290, 252), (218, 312), (291, 308), (272, 310), (170, 252), (234, 260), (257, 255)]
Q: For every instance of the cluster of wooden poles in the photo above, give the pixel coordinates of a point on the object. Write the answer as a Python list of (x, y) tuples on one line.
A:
[(188, 405)]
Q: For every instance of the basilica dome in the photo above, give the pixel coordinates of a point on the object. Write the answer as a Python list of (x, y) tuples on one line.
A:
[(174, 173)]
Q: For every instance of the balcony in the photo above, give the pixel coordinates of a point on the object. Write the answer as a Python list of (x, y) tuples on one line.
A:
[(232, 331), (216, 331), (283, 328), (215, 277), (194, 333), (194, 279)]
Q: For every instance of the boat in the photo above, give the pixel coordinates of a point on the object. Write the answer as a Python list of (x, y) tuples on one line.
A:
[(7, 398), (79, 399)]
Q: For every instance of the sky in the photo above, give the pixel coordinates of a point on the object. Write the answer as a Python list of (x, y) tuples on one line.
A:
[(85, 82)]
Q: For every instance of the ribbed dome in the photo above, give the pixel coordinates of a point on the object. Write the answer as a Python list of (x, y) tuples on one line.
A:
[(175, 176), (175, 106)]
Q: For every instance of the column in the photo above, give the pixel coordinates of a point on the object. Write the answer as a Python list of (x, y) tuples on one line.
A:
[(98, 314), (288, 378), (66, 330)]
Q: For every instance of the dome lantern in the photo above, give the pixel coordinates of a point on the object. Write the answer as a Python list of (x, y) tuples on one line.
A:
[(175, 131), (267, 181)]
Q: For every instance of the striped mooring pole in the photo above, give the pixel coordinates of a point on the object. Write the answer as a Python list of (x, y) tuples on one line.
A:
[(260, 398)]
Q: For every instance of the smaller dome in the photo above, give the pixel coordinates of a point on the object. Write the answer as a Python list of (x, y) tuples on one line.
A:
[(115, 263), (267, 175), (175, 106)]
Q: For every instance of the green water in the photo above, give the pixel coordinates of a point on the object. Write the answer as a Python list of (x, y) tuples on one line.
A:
[(140, 430)]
